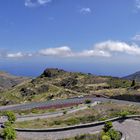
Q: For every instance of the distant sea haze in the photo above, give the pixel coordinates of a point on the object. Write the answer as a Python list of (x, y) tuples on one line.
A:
[(34, 70)]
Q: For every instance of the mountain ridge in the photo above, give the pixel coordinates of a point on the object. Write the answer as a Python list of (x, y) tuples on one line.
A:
[(8, 81), (134, 76)]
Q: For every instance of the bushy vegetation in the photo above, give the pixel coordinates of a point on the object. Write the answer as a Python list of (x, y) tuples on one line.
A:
[(11, 116), (57, 122), (109, 133), (9, 132), (107, 126), (56, 84), (74, 120), (123, 113), (119, 83), (106, 137), (133, 83), (87, 101)]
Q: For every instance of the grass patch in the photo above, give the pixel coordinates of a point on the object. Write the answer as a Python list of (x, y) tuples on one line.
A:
[(99, 112)]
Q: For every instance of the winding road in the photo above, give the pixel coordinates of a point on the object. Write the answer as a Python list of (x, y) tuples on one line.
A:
[(52, 114), (61, 102), (129, 127)]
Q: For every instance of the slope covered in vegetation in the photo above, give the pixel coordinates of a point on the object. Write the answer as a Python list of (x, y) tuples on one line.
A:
[(57, 83)]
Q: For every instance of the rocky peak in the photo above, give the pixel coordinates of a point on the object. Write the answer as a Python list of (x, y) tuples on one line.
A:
[(52, 72)]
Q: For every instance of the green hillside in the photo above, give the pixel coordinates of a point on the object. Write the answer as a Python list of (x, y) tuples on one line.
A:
[(57, 83)]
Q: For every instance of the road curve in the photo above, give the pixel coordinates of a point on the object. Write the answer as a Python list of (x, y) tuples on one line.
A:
[(61, 102), (129, 127), (51, 114)]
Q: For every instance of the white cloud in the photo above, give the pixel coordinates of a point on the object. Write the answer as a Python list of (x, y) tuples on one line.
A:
[(34, 3), (136, 37), (118, 47), (15, 55), (102, 49), (85, 10), (65, 51), (60, 51), (92, 53)]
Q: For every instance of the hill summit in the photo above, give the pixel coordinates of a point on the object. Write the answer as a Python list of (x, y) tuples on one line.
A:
[(52, 72)]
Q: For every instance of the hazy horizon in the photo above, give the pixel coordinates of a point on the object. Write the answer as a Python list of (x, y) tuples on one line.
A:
[(34, 71)]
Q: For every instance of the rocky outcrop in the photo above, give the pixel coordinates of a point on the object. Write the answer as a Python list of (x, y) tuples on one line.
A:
[(26, 91), (52, 72), (68, 82)]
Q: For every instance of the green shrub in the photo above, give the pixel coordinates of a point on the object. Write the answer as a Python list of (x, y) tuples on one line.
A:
[(89, 106), (87, 101), (108, 133), (65, 112), (105, 137), (133, 83), (114, 135), (123, 114), (108, 125), (7, 124), (102, 119), (11, 116), (9, 133)]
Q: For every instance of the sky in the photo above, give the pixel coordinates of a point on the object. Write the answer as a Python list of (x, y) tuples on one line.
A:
[(92, 36)]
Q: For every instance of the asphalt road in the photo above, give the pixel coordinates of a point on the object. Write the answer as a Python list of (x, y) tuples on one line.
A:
[(129, 127), (51, 114), (61, 102)]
